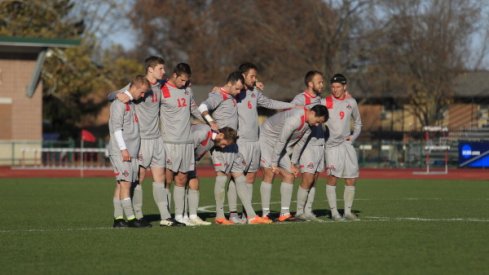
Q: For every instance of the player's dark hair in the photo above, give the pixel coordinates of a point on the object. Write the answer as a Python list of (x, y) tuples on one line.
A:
[(245, 67), (235, 77), (338, 78), (229, 134), (310, 75), (320, 111), (152, 62), (182, 68), (139, 80)]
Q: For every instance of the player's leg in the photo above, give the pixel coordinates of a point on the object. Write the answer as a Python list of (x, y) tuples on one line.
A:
[(193, 200), (219, 195), (351, 172), (334, 163), (331, 196), (179, 195), (230, 154), (348, 196), (119, 221), (303, 192), (160, 195), (266, 184)]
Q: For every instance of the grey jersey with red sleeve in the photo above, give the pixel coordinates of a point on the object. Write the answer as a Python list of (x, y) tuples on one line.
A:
[(317, 132), (341, 111), (248, 101), (223, 108), (123, 117), (203, 142), (283, 130), (176, 107)]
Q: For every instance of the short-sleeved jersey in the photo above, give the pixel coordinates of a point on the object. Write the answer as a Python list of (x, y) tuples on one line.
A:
[(248, 101), (317, 132), (203, 142), (123, 117), (341, 111), (223, 108), (147, 109), (176, 107), (284, 130)]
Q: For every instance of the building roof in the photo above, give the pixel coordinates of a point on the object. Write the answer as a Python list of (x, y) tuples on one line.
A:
[(17, 44)]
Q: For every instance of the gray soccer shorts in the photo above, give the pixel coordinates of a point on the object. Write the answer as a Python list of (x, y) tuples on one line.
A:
[(312, 159), (152, 153), (342, 161), (267, 155), (179, 157), (124, 170), (228, 159), (251, 154)]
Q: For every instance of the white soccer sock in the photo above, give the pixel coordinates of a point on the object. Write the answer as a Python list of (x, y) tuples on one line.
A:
[(168, 197), (348, 196), (160, 197), (331, 195), (219, 194), (193, 202), (301, 200), (310, 200), (137, 201), (244, 196), (266, 193), (286, 190), (127, 207), (232, 197), (179, 197), (249, 186), (118, 211)]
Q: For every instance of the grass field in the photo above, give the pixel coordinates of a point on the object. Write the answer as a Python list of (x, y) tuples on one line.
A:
[(54, 226)]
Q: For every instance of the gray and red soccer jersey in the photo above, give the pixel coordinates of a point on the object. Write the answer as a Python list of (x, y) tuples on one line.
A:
[(223, 109), (341, 111), (123, 117), (317, 132), (147, 109), (176, 107), (248, 101), (284, 130), (203, 142)]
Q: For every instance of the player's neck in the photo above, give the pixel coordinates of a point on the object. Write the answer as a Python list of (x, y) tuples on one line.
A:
[(152, 80), (310, 93), (224, 89)]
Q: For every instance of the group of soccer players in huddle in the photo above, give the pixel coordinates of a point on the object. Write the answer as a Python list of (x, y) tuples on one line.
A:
[(151, 127)]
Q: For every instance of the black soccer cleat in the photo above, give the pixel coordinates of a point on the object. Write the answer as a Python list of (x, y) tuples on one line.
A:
[(119, 223), (145, 222), (135, 223)]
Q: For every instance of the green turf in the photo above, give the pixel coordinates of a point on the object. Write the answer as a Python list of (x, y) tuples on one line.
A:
[(59, 226)]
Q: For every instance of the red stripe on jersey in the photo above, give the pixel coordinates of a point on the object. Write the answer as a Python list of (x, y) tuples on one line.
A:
[(224, 94), (329, 102), (128, 108), (209, 135), (166, 91), (307, 98), (218, 164)]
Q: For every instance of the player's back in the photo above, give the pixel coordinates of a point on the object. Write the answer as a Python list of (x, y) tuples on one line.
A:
[(202, 135), (294, 119), (223, 108), (317, 132), (148, 110), (123, 117)]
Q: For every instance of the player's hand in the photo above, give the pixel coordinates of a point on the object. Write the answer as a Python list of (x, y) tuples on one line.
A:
[(125, 155), (295, 170), (216, 89), (274, 169), (122, 97), (260, 85), (214, 126)]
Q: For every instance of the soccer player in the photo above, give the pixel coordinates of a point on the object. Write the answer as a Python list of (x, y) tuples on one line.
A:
[(341, 158), (177, 104), (228, 162), (312, 158), (152, 152), (248, 100), (280, 135), (123, 151)]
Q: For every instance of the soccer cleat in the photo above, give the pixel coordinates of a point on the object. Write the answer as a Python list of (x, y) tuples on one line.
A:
[(170, 223), (145, 222), (198, 221), (259, 220), (285, 218), (119, 223), (135, 223), (236, 219), (266, 217), (351, 217), (337, 218), (223, 221), (184, 221)]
